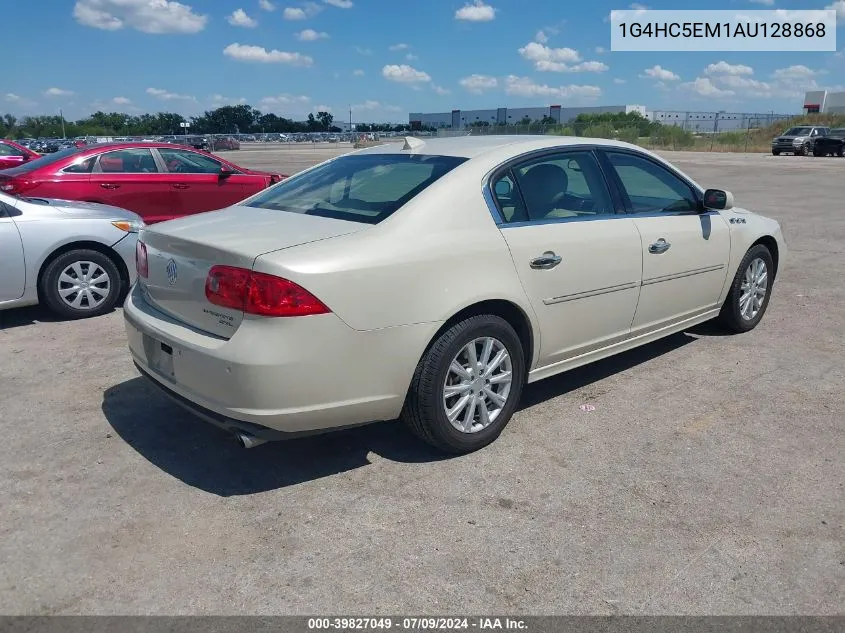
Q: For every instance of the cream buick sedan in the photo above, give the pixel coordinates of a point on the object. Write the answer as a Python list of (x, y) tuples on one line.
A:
[(431, 280)]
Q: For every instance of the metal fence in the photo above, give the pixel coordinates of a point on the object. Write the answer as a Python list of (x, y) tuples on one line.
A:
[(676, 130)]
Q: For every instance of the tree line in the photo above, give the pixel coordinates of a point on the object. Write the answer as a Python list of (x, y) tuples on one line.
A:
[(239, 119)]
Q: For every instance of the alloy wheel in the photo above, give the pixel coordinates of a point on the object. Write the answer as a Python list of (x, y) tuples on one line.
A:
[(477, 384)]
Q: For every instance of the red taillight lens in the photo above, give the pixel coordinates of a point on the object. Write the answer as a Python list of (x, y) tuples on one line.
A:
[(15, 186), (259, 293), (141, 260)]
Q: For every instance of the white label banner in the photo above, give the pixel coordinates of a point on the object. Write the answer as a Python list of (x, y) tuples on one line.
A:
[(736, 30)]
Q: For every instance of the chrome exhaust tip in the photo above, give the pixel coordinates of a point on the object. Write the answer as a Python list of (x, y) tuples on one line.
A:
[(249, 441)]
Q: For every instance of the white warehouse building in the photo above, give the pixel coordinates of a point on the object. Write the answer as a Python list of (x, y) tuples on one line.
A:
[(713, 121), (825, 102), (459, 119)]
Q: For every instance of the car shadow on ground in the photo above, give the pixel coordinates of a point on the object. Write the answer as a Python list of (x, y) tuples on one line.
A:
[(207, 458), (19, 317)]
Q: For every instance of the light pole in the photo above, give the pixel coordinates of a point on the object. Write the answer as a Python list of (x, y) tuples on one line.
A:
[(62, 117)]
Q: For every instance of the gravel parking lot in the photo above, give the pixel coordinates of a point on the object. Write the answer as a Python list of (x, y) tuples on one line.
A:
[(708, 479)]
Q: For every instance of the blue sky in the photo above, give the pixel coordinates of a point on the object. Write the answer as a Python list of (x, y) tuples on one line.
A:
[(383, 57)]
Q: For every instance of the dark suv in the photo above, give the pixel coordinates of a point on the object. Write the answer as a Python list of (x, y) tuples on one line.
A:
[(798, 140)]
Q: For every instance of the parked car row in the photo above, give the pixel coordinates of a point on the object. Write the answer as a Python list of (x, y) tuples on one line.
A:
[(804, 140), (158, 181)]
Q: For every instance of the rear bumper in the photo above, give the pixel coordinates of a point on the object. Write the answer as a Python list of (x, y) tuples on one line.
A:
[(278, 377)]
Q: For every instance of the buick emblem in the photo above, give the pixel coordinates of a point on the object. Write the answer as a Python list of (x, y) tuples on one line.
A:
[(171, 272)]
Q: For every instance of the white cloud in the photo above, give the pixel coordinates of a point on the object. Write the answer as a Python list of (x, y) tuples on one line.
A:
[(358, 72), (636, 6), (399, 47), (266, 5), (310, 35), (322, 108), (767, 3), (411, 57), (587, 67), (797, 71), (220, 100), (704, 87), (526, 87), (285, 100), (121, 101), (839, 7), (658, 72), (724, 68), (58, 92), (558, 59), (240, 18), (307, 10), (246, 53), (619, 81), (164, 95), (476, 12), (12, 97), (477, 84), (537, 52), (363, 51), (600, 50), (148, 16), (340, 4), (403, 73), (440, 90), (541, 37), (370, 106)]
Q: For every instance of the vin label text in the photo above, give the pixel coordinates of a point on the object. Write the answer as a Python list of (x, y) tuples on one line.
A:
[(783, 30)]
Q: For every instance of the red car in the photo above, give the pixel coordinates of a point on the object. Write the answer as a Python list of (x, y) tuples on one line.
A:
[(158, 181), (14, 155)]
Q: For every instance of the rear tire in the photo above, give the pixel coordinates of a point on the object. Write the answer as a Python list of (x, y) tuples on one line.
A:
[(775, 152), (841, 151), (80, 283), (429, 403), (744, 306)]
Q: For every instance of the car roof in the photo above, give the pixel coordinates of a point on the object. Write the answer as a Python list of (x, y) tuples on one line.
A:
[(476, 146), (132, 145)]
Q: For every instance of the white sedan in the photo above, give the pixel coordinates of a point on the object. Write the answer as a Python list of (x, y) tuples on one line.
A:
[(431, 280)]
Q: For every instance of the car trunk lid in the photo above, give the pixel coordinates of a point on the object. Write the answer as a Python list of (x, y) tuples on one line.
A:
[(181, 252)]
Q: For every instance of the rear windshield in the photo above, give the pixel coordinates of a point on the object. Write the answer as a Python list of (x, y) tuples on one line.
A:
[(47, 159), (359, 187)]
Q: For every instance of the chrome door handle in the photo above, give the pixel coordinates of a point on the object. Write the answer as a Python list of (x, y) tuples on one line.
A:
[(660, 246), (545, 261), (180, 186), (109, 185)]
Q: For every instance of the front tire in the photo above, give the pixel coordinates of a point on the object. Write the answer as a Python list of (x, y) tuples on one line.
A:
[(467, 385), (750, 291), (805, 150), (841, 151), (775, 152), (80, 283)]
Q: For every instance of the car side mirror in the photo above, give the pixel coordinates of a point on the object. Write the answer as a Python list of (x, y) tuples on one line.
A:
[(225, 171), (718, 199)]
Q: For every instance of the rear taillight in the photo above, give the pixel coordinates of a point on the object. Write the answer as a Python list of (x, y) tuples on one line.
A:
[(259, 293), (141, 260), (15, 186)]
